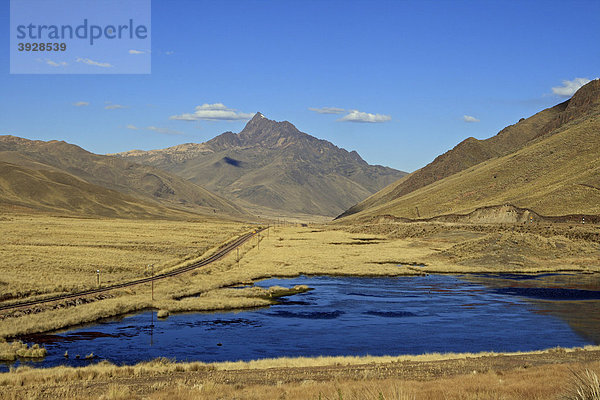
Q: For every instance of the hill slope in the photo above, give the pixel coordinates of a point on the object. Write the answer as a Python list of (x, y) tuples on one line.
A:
[(56, 192), (274, 165), (57, 165), (549, 163)]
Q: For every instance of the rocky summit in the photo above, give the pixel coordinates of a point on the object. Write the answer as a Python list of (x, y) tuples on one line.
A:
[(272, 166)]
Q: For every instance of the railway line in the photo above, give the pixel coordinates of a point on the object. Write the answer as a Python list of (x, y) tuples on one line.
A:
[(222, 252)]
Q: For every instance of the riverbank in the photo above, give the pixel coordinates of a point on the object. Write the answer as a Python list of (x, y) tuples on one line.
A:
[(393, 249), (534, 375)]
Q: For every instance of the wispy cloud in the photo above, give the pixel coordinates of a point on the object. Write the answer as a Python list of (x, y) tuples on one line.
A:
[(569, 88), (213, 112), (92, 62), (115, 107), (132, 51), (132, 127), (164, 131), (327, 110), (359, 116), (81, 104), (55, 64), (169, 52), (470, 119)]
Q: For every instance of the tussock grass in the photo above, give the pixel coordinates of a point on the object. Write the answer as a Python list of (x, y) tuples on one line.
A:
[(11, 351), (585, 385), (117, 392)]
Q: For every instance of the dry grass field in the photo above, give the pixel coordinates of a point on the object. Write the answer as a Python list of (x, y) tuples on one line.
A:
[(41, 254), (44, 255)]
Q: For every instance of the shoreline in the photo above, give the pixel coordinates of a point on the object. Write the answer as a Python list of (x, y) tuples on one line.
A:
[(254, 301), (437, 375)]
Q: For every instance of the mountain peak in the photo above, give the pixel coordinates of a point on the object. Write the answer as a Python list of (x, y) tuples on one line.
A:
[(258, 119), (587, 95), (268, 132)]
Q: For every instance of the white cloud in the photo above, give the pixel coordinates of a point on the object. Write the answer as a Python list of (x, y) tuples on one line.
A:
[(136, 52), (81, 104), (469, 118), (115, 107), (164, 131), (132, 127), (92, 62), (569, 88), (169, 52), (213, 112), (359, 116), (55, 64), (327, 110)]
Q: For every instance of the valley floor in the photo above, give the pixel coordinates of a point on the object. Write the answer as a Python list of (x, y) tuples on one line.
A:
[(49, 255)]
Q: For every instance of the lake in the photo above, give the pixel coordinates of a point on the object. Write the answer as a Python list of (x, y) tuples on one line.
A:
[(356, 316)]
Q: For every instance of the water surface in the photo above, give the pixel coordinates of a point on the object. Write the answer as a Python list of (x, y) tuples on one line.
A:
[(355, 316)]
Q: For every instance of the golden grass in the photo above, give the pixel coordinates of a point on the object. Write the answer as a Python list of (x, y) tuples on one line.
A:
[(164, 379), (303, 362), (48, 254), (474, 248), (10, 351), (585, 385)]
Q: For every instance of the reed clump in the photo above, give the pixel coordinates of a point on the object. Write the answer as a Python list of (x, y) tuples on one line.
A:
[(10, 351)]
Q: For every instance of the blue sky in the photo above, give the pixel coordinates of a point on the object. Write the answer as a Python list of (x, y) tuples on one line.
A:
[(412, 69)]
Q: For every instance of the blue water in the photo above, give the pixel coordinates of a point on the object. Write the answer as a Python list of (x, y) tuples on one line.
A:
[(341, 316)]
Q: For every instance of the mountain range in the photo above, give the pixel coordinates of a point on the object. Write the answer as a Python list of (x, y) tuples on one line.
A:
[(273, 167), (548, 163), (60, 177)]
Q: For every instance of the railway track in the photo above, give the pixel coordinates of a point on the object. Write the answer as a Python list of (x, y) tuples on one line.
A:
[(214, 257)]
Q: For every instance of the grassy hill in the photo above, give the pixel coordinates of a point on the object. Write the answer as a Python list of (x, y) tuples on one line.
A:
[(273, 165), (56, 175), (549, 163), (56, 192)]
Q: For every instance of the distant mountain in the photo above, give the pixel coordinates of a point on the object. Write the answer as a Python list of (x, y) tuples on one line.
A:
[(549, 163), (51, 191), (56, 175), (273, 165)]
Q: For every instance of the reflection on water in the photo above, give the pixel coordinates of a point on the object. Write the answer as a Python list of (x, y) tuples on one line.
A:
[(573, 298), (356, 316)]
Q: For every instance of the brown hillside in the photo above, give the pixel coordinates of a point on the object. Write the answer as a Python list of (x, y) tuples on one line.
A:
[(56, 192), (471, 151), (145, 183), (576, 115), (554, 172)]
